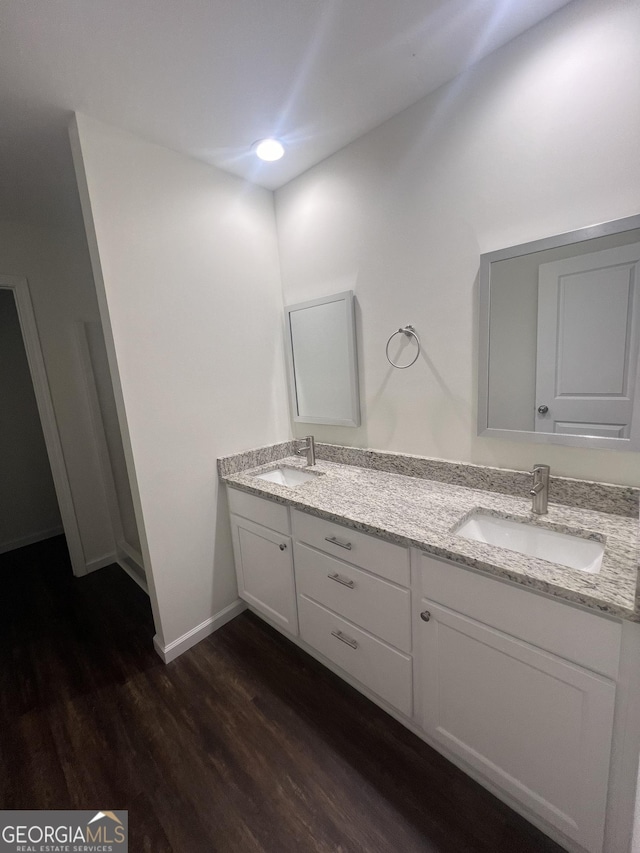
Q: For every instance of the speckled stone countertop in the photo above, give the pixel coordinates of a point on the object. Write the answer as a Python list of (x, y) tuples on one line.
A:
[(423, 513)]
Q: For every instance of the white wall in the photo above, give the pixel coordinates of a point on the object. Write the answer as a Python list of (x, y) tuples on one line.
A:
[(539, 138), (28, 505), (56, 264), (187, 273)]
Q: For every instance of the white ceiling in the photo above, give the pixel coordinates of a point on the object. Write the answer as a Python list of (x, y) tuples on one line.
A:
[(209, 77)]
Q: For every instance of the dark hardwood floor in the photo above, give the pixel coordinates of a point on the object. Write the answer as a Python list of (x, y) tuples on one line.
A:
[(242, 744)]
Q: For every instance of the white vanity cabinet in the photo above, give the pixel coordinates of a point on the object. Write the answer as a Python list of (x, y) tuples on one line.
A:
[(537, 725), (264, 558), (518, 688)]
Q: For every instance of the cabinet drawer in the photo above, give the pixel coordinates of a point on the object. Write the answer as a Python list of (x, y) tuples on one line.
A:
[(385, 671), (262, 511), (382, 558), (589, 640), (371, 602)]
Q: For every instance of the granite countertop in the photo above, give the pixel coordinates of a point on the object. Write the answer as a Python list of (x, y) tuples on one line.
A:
[(423, 513)]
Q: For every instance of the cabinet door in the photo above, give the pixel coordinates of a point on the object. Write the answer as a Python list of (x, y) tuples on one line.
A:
[(264, 566), (533, 724)]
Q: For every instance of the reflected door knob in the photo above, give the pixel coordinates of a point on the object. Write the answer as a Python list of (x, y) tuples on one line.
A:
[(542, 410)]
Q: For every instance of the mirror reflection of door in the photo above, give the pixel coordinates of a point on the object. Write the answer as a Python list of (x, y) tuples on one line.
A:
[(587, 346)]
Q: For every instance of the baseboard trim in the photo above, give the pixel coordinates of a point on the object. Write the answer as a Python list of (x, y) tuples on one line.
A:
[(173, 650), (101, 562), (131, 553), (14, 544), (133, 575)]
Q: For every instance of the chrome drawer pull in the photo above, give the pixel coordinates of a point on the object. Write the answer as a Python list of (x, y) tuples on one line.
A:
[(344, 639), (343, 581), (334, 541)]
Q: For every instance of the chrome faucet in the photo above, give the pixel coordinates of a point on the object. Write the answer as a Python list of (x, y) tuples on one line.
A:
[(540, 489), (309, 447)]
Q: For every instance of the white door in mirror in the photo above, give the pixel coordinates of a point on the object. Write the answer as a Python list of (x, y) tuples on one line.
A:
[(587, 351)]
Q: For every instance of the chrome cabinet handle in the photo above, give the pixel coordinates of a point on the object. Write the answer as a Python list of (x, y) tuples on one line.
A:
[(542, 410), (344, 639), (282, 546), (343, 581), (425, 616), (334, 541)]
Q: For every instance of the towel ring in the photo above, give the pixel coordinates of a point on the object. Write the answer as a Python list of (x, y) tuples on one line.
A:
[(409, 331)]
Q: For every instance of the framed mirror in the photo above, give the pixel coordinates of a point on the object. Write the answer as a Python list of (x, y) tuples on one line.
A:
[(560, 338), (322, 363)]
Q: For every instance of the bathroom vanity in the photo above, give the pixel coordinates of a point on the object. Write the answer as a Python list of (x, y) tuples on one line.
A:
[(510, 665)]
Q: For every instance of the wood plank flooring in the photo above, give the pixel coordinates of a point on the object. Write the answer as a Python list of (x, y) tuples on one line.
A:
[(243, 744)]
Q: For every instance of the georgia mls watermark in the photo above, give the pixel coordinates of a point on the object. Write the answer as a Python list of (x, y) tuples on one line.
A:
[(64, 832)]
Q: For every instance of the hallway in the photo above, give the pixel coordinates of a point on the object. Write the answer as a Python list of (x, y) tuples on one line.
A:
[(243, 744)]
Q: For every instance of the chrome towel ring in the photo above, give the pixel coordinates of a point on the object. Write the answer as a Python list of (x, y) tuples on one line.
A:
[(409, 331)]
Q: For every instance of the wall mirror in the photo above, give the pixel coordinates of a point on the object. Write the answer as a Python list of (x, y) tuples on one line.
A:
[(559, 339), (322, 365)]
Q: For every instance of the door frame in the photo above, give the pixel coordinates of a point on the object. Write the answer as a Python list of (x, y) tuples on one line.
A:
[(22, 296)]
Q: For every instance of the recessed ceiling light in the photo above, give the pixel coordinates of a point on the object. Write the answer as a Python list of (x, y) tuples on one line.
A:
[(269, 149)]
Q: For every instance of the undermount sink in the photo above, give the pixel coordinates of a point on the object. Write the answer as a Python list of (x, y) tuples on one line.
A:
[(285, 476), (573, 552)]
